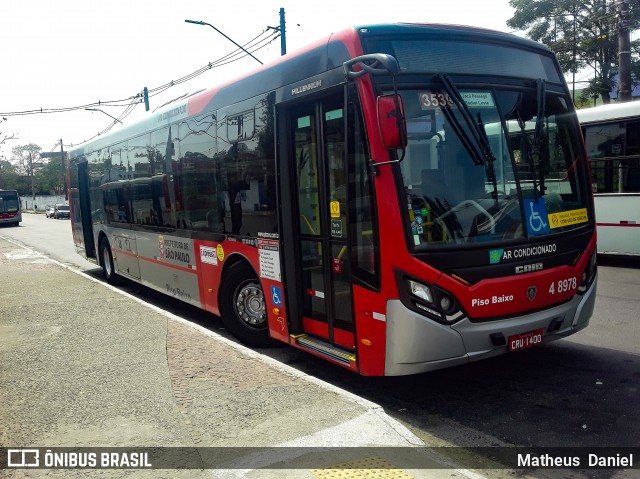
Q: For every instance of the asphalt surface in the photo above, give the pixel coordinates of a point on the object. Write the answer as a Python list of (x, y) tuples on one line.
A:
[(83, 364)]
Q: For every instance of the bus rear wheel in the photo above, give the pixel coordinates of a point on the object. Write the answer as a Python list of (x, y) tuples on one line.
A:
[(243, 308), (106, 259)]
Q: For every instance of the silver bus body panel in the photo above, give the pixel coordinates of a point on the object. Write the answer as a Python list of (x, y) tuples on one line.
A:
[(417, 344), (618, 218), (148, 257), (161, 258)]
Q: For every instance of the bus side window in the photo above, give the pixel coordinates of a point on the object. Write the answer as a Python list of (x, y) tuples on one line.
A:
[(633, 139), (362, 212), (631, 179)]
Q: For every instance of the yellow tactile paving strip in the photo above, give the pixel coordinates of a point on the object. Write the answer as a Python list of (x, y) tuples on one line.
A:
[(368, 468)]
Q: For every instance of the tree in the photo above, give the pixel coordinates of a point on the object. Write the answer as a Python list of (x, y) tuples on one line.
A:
[(50, 178), (27, 160), (582, 34), (8, 176)]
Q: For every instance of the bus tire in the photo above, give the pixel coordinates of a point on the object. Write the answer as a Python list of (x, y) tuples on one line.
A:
[(243, 308), (106, 260)]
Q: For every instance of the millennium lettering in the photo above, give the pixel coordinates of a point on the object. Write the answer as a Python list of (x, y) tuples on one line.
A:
[(307, 87)]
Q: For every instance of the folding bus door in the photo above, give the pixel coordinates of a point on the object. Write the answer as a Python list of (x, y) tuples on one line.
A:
[(321, 282)]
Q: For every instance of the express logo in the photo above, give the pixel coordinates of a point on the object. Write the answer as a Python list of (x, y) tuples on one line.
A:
[(531, 292), (208, 255)]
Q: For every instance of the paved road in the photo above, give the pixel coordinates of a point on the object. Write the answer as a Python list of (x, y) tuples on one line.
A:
[(51, 237)]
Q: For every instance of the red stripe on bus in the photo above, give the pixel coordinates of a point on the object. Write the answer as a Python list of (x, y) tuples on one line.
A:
[(636, 225)]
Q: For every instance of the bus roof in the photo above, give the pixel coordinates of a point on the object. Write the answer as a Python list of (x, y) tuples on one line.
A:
[(613, 111), (447, 29), (325, 54)]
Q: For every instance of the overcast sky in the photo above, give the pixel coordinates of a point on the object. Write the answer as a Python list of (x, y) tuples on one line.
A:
[(70, 53)]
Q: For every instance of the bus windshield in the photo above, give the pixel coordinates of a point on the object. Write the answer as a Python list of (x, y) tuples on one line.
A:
[(490, 165), (9, 202)]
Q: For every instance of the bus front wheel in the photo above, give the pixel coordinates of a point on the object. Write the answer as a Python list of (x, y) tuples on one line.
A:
[(106, 259), (243, 307)]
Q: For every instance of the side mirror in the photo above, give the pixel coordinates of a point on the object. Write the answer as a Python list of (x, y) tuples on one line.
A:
[(391, 121)]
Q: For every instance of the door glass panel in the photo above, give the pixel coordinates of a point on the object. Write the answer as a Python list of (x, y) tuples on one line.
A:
[(334, 151), (307, 174), (341, 287), (313, 290), (334, 154)]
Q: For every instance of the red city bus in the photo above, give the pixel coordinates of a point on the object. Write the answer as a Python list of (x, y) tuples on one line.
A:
[(394, 199), (10, 210)]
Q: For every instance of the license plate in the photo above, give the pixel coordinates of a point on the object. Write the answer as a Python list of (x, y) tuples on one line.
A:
[(525, 340)]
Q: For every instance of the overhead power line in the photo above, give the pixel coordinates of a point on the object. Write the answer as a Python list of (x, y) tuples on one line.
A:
[(253, 45)]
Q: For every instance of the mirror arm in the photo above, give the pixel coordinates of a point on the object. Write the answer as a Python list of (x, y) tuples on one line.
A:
[(379, 64), (373, 64)]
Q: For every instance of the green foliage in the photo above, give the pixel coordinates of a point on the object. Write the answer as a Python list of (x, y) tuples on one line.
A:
[(582, 33), (8, 176), (49, 180), (30, 174), (26, 158)]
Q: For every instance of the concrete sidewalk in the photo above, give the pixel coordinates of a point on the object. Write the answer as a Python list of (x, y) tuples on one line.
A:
[(83, 364)]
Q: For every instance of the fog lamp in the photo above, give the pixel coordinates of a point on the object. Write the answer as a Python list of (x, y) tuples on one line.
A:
[(445, 303)]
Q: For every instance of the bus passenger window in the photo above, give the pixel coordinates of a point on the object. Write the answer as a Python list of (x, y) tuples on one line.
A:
[(362, 212)]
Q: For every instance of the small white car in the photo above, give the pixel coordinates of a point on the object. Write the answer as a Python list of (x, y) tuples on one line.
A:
[(62, 211)]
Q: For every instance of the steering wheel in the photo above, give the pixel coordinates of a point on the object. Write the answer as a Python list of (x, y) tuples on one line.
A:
[(462, 206)]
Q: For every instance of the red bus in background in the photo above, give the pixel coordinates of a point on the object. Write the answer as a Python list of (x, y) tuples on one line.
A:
[(10, 209), (394, 199)]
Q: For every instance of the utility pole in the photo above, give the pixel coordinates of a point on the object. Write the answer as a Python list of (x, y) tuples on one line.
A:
[(283, 38), (573, 88), (145, 94), (64, 176), (624, 52), (283, 33)]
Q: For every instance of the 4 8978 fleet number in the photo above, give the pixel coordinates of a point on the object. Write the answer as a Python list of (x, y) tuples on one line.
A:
[(563, 285)]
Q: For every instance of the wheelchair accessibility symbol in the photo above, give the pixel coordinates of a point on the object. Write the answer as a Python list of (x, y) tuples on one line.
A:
[(276, 296), (537, 218)]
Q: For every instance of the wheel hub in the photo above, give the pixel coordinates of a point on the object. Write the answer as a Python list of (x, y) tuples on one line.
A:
[(250, 305)]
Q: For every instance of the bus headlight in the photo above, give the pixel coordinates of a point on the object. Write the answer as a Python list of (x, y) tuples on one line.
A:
[(421, 291), (429, 300)]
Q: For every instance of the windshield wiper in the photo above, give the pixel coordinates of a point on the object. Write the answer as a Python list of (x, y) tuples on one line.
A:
[(478, 143), (534, 149)]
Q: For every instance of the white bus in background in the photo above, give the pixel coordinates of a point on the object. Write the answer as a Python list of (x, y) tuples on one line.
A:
[(612, 139)]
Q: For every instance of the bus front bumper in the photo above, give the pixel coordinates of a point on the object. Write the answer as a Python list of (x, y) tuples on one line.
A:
[(418, 344)]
